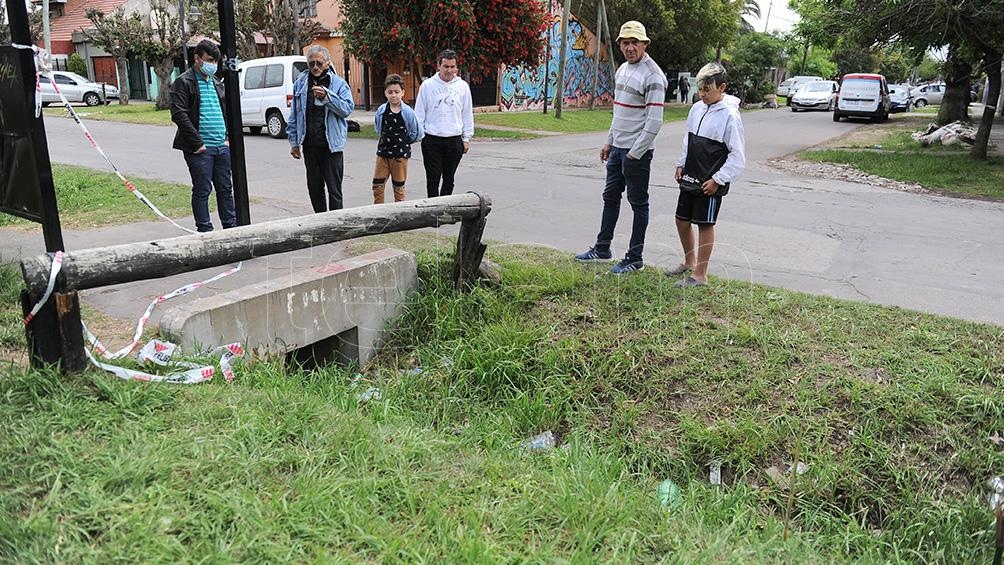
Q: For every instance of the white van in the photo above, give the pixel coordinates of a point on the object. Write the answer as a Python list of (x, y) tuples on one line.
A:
[(863, 95), (267, 92)]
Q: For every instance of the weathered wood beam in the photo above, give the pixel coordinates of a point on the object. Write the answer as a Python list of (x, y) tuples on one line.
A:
[(130, 262)]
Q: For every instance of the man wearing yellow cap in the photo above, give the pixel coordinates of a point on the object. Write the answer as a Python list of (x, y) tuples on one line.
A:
[(638, 101)]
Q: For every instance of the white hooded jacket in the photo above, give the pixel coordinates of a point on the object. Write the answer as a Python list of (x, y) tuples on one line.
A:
[(721, 122)]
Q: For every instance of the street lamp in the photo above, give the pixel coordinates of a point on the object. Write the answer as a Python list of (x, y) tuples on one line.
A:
[(194, 13)]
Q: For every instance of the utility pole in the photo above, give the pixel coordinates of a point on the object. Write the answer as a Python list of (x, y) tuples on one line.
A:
[(547, 60), (235, 127), (45, 27), (767, 20), (596, 53), (560, 94)]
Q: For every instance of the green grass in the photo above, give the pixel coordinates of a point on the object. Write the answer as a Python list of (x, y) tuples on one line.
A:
[(133, 113), (942, 169), (88, 198), (892, 410), (572, 121), (11, 331)]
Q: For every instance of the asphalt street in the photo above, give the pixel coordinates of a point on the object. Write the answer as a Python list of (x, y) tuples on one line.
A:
[(822, 236)]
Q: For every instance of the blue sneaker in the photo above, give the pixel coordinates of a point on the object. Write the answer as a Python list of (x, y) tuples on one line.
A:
[(594, 255), (627, 266)]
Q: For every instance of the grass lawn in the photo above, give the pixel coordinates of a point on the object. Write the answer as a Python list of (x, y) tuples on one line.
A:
[(572, 121), (133, 113), (894, 412), (90, 198)]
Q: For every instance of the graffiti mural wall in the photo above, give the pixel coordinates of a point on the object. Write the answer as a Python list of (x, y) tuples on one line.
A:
[(522, 87)]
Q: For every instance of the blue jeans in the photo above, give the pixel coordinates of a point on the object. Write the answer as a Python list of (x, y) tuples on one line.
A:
[(633, 175), (211, 169)]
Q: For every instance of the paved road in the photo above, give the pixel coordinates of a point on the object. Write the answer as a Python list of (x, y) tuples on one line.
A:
[(816, 235)]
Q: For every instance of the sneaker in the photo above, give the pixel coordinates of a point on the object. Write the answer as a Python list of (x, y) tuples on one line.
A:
[(627, 266), (594, 255)]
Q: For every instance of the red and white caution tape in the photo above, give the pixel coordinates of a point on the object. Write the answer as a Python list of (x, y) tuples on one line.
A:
[(42, 66), (160, 352), (57, 264), (96, 344)]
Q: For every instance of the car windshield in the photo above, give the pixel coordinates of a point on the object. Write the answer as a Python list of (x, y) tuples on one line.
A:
[(76, 77), (861, 84), (816, 87)]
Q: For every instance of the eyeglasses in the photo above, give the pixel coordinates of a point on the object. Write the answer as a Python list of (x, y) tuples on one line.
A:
[(316, 63)]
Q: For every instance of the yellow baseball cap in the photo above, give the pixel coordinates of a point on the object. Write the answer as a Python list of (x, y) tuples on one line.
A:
[(633, 30)]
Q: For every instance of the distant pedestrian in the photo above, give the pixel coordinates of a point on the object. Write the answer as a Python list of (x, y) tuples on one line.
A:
[(714, 155), (685, 89), (639, 97), (446, 113), (197, 106), (398, 127), (317, 128)]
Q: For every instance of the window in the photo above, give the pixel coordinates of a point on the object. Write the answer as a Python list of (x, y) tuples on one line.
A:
[(254, 77), (273, 75), (43, 79), (61, 79), (298, 67)]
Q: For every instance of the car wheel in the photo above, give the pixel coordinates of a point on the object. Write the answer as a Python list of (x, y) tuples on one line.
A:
[(794, 109), (836, 117), (920, 103), (831, 106), (254, 130), (92, 99), (276, 125)]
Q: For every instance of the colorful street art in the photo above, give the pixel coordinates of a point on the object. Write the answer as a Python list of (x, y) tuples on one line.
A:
[(522, 87)]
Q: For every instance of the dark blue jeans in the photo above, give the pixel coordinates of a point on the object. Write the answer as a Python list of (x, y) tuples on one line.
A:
[(631, 174), (211, 169)]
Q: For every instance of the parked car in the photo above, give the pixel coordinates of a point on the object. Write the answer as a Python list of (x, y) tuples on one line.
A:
[(788, 87), (928, 94), (76, 89), (266, 87), (863, 95), (900, 98), (815, 95)]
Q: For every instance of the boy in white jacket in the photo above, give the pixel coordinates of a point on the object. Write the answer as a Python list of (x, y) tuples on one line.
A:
[(714, 155)]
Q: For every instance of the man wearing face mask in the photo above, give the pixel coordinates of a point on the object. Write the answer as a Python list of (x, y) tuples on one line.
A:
[(197, 105), (318, 127)]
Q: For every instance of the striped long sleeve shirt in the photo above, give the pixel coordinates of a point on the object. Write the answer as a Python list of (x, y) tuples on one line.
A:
[(638, 102)]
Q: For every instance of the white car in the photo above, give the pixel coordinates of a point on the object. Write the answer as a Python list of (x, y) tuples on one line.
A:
[(816, 95), (790, 86), (266, 87), (76, 89)]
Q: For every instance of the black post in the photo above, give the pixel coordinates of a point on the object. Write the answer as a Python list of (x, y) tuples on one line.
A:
[(235, 127), (366, 87), (17, 17)]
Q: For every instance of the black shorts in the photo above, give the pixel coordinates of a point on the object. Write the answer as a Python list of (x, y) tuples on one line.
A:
[(701, 210)]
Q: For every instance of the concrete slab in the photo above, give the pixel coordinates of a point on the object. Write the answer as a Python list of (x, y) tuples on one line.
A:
[(339, 311)]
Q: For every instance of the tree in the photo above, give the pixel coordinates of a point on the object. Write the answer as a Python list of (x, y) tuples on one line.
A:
[(160, 48), (754, 54), (484, 33), (118, 34), (273, 19)]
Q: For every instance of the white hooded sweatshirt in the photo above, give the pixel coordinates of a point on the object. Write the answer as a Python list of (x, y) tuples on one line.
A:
[(721, 122), (444, 108)]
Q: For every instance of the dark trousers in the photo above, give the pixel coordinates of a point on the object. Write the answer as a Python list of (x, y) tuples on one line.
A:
[(211, 169), (631, 174), (324, 168), (441, 157)]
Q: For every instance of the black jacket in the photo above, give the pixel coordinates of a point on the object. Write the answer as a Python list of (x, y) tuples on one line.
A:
[(185, 110)]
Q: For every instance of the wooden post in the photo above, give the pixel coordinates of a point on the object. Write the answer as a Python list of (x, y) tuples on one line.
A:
[(596, 52), (470, 250), (71, 332), (562, 56), (42, 332)]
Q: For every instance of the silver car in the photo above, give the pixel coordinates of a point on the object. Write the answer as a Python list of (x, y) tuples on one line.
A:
[(76, 89), (928, 94), (817, 95)]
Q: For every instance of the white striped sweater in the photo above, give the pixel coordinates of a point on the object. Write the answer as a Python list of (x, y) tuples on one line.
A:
[(638, 101)]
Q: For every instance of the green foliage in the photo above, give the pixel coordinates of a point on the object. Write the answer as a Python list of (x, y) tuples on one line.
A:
[(755, 53), (76, 64), (929, 69)]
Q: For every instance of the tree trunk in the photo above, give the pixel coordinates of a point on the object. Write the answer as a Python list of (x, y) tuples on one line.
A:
[(120, 63), (955, 104), (163, 70), (979, 150)]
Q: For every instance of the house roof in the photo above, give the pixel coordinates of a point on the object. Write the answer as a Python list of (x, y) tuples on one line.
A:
[(74, 17)]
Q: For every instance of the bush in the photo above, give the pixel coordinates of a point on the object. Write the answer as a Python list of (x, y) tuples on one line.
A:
[(76, 64)]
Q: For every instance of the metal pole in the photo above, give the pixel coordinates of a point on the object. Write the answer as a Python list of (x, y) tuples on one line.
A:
[(184, 39), (17, 19), (560, 94), (45, 27), (235, 127), (596, 52), (547, 60)]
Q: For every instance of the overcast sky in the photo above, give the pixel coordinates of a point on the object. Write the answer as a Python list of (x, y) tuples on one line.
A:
[(781, 18)]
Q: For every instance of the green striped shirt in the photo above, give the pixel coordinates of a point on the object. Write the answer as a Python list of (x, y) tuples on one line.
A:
[(212, 128)]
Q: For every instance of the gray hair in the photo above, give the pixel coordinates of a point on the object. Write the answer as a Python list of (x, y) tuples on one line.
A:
[(319, 50), (711, 74)]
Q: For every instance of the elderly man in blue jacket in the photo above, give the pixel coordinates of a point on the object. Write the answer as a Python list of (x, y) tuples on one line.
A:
[(318, 127)]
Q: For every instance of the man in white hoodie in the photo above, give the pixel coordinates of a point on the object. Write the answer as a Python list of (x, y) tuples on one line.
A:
[(714, 155), (446, 113)]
